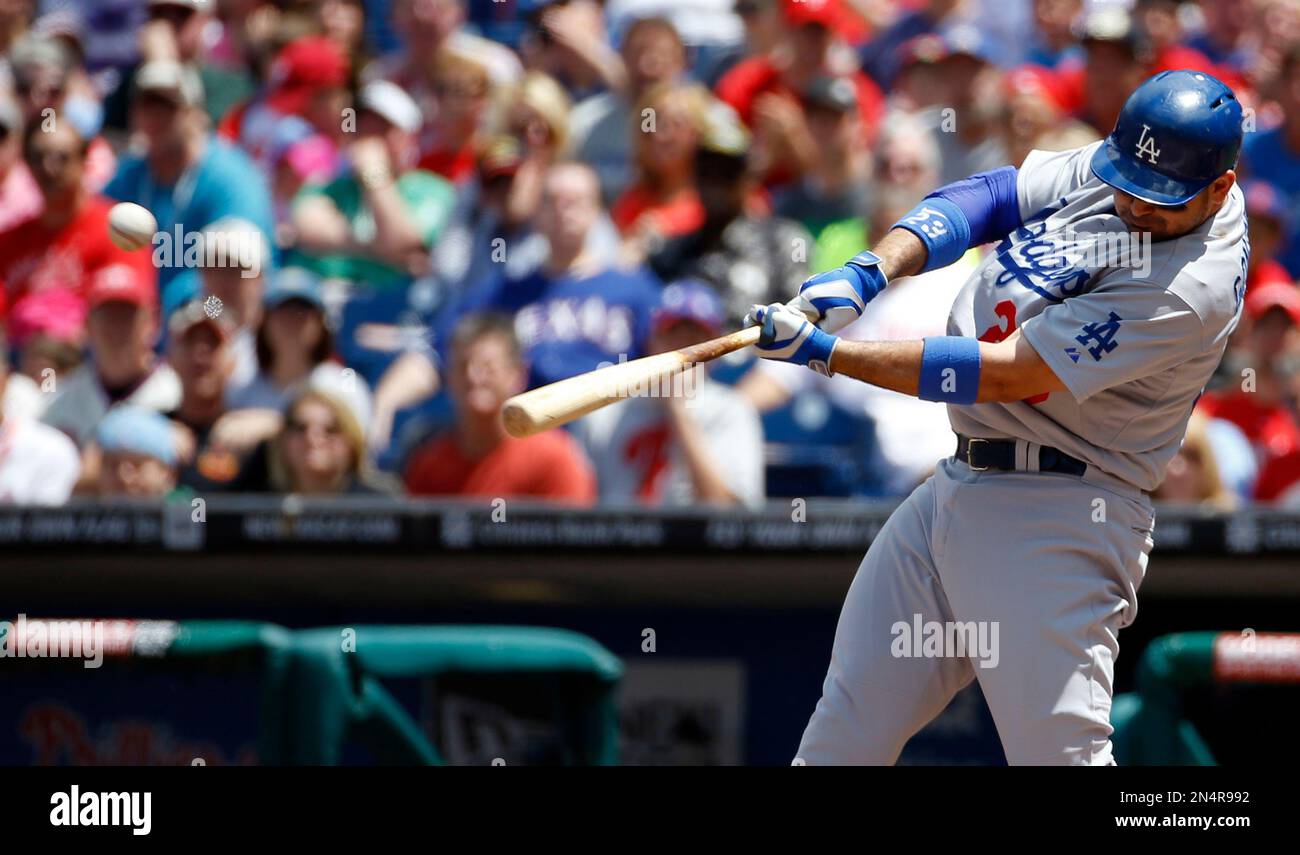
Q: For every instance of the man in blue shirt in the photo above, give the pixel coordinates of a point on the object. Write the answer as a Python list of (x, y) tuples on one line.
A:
[(1274, 156), (576, 311), (186, 177)]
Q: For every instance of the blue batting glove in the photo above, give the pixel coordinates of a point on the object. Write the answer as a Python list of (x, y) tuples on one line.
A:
[(836, 298), (788, 336)]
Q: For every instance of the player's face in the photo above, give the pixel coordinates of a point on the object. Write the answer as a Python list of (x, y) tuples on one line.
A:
[(1165, 222)]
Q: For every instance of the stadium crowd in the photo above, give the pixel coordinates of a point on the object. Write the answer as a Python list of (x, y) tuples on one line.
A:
[(387, 217)]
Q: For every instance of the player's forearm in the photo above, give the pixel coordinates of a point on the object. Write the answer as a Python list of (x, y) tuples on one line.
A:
[(901, 254), (1009, 371)]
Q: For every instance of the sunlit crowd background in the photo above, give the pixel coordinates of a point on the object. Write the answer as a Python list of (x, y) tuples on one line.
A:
[(440, 203)]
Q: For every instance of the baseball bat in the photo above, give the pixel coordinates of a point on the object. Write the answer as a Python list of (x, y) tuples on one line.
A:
[(563, 401)]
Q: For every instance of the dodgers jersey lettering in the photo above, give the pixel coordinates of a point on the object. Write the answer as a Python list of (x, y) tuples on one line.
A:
[(1133, 329)]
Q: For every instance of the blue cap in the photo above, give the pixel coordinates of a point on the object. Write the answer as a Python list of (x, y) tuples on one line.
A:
[(294, 283), (135, 429), (689, 300), (1177, 132)]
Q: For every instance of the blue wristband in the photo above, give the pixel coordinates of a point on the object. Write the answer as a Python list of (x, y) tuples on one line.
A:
[(942, 227), (950, 369)]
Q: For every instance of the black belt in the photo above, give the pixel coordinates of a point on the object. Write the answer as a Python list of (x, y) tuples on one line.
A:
[(984, 454)]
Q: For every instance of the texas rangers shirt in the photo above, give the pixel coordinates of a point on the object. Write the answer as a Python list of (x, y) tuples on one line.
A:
[(1133, 327)]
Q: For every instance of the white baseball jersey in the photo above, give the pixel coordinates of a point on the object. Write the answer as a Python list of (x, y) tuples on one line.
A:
[(1133, 329)]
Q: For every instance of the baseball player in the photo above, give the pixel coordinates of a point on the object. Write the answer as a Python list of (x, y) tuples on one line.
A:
[(1074, 356)]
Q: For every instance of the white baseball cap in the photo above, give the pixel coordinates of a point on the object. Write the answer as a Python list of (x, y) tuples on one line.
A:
[(169, 76), (392, 103)]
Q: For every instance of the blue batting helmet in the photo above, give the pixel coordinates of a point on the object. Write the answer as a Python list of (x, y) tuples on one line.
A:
[(1178, 132)]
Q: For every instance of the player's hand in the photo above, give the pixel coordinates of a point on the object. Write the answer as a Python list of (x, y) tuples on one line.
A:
[(788, 336), (836, 298)]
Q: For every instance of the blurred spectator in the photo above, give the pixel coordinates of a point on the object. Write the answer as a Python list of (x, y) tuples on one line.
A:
[(20, 198), (1035, 112), (477, 457), (747, 257), (692, 441), (1161, 27), (322, 448), (1267, 217), (306, 98), (1192, 476), (575, 311), (298, 157), (138, 449), (567, 41), (38, 465), (662, 202), (603, 126), (1116, 61), (833, 198), (764, 90), (374, 225), (344, 23), (239, 286), (182, 31), (1225, 35), (73, 94), (294, 343), (965, 126), (763, 21), (1274, 155), (907, 160), (537, 114), (712, 30), (1259, 400), (219, 181), (198, 350), (449, 143), (485, 233), (48, 330), (48, 85), (112, 32), (1054, 40), (67, 243), (123, 368), (880, 56), (427, 27)]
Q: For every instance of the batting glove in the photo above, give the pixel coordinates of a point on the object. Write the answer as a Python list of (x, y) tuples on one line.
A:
[(836, 298), (788, 336)]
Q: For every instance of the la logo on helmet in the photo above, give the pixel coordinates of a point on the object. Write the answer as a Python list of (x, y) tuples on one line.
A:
[(1147, 145)]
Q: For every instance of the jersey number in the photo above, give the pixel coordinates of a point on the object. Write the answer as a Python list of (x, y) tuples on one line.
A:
[(1006, 311)]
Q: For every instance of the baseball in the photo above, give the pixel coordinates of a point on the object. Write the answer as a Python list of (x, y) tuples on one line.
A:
[(131, 226)]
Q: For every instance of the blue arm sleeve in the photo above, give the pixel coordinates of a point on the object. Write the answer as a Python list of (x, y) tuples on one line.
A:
[(963, 214)]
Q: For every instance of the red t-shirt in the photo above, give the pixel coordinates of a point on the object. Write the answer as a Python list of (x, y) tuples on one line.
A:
[(454, 164), (36, 258), (1270, 427), (546, 466), (637, 206), (1277, 477), (750, 78)]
